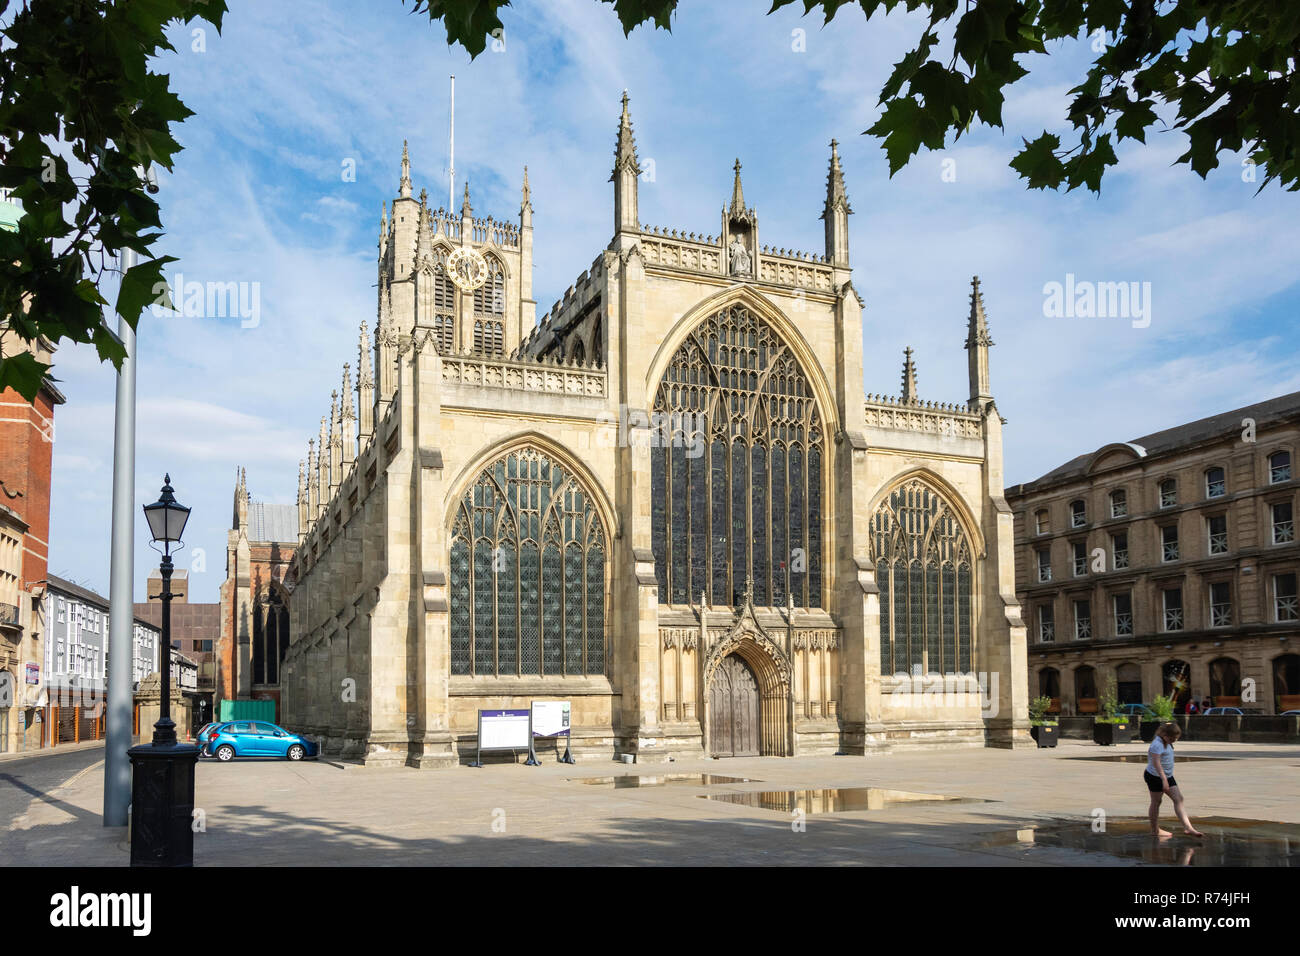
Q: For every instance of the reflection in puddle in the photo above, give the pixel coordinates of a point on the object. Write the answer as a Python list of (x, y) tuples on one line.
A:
[(630, 780), (1142, 758), (833, 799), (1227, 842)]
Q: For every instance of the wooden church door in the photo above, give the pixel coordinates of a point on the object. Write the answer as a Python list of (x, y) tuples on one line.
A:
[(733, 710)]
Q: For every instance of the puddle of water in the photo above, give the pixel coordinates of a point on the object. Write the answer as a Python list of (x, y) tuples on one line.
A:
[(1142, 758), (833, 799), (635, 781), (1227, 842)]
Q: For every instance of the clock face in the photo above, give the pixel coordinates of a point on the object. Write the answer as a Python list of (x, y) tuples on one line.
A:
[(467, 268)]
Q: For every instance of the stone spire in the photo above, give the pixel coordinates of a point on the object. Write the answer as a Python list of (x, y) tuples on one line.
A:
[(313, 486), (302, 502), (737, 211), (836, 213), (526, 204), (909, 378), (348, 414), (241, 500), (737, 194), (323, 467), (423, 230), (526, 318), (365, 388), (336, 442), (624, 176), (978, 341), (466, 210), (385, 358), (404, 185)]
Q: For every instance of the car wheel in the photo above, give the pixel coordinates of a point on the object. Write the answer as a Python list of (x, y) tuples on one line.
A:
[(225, 753), (296, 752)]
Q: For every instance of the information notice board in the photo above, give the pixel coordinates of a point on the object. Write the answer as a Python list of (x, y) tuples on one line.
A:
[(503, 730), (550, 718)]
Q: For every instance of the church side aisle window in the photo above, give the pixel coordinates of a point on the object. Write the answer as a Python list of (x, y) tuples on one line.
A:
[(924, 571), (737, 457), (527, 585)]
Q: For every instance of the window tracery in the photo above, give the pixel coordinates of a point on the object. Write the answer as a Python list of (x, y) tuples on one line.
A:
[(737, 459), (924, 572), (527, 582)]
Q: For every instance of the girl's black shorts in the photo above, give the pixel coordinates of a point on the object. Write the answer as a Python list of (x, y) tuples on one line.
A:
[(1154, 784)]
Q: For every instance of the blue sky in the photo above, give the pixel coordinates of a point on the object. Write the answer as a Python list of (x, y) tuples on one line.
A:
[(292, 92)]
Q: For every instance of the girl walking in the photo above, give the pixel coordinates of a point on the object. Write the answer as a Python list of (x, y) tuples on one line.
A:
[(1159, 777)]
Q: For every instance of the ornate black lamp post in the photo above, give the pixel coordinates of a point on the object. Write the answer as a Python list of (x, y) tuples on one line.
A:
[(162, 773)]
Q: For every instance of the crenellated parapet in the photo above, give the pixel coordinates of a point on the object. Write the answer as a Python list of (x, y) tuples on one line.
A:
[(681, 250), (551, 376), (947, 420)]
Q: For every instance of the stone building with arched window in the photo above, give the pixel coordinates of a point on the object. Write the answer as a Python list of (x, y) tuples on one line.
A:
[(667, 502)]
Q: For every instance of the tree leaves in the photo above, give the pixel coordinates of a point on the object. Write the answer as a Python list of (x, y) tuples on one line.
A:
[(1228, 70), (75, 82)]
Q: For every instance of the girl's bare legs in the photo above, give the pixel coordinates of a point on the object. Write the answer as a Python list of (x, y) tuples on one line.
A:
[(1180, 810), (1153, 813)]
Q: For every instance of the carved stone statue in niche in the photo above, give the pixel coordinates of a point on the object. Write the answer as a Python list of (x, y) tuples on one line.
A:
[(739, 257)]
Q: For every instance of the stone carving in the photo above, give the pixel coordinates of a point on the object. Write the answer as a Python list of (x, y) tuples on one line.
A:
[(739, 258)]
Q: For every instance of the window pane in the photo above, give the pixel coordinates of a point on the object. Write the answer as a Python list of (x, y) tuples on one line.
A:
[(780, 517), (659, 520), (883, 576), (530, 631), (758, 523), (596, 611)]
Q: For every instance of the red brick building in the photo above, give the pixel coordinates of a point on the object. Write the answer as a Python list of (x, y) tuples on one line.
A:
[(26, 460), (195, 631), (255, 599)]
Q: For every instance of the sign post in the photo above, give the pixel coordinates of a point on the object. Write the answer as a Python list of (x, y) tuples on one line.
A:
[(503, 730), (551, 718)]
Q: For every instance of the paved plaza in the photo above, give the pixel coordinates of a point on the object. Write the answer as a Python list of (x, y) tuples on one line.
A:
[(328, 813)]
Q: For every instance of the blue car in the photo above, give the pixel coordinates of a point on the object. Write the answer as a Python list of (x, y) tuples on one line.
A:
[(258, 738)]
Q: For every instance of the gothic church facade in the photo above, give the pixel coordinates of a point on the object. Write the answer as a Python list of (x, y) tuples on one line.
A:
[(668, 503)]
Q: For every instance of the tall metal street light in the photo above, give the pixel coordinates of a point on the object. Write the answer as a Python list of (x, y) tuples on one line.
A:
[(162, 791), (117, 769)]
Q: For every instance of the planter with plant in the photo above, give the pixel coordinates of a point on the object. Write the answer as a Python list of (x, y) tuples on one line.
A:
[(1112, 725), (1159, 711), (1045, 731)]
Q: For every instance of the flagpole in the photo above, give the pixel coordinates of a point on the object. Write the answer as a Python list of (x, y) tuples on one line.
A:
[(451, 166)]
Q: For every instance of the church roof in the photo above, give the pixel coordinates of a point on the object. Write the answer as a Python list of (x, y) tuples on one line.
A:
[(1282, 408), (267, 522)]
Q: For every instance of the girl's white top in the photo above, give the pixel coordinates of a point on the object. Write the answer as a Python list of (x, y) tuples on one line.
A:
[(1163, 752)]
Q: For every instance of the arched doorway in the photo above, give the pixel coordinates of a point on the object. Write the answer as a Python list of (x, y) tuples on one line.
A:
[(1128, 679), (747, 696), (734, 709), (1085, 690), (1049, 685), (1225, 682), (1286, 682)]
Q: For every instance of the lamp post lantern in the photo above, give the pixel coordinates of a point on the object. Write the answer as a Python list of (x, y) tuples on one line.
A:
[(162, 791)]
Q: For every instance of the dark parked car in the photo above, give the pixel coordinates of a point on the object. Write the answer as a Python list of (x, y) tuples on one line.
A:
[(259, 738), (205, 734)]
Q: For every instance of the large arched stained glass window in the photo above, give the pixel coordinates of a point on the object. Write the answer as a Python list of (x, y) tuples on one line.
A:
[(737, 464), (527, 583), (924, 571)]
